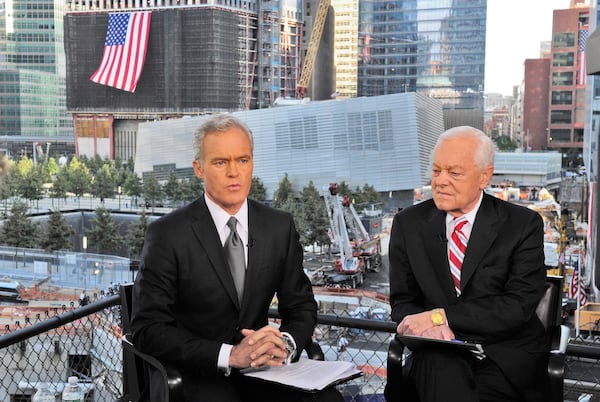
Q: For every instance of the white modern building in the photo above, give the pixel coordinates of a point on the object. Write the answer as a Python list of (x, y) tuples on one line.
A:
[(384, 141)]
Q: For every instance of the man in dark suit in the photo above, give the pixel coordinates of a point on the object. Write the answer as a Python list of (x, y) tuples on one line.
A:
[(186, 309), (480, 281)]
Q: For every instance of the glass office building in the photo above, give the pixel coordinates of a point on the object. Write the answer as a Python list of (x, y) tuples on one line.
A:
[(32, 69), (434, 47)]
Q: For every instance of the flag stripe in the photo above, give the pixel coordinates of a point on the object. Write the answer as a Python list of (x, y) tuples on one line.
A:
[(124, 50)]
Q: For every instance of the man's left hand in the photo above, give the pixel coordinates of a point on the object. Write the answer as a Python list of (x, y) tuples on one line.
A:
[(421, 324)]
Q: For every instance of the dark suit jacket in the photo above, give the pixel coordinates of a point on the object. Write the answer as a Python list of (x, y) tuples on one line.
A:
[(184, 300), (502, 281)]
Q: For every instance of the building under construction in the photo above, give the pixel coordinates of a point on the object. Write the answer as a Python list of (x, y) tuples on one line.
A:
[(203, 56)]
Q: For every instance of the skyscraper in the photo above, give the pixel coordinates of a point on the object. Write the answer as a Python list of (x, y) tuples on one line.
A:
[(432, 47), (32, 69)]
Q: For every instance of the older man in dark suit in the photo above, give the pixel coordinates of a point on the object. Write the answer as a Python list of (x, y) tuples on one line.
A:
[(469, 266), (195, 309)]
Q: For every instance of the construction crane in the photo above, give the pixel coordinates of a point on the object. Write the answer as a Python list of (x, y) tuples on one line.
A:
[(359, 252), (313, 47)]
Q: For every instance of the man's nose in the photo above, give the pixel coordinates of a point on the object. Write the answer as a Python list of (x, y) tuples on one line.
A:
[(232, 169)]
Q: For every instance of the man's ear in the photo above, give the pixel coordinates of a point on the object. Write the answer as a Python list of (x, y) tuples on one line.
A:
[(198, 171), (486, 176)]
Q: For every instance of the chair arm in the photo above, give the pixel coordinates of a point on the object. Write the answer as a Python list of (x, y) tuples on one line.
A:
[(556, 361), (172, 386), (559, 339), (314, 351), (395, 352), (396, 388)]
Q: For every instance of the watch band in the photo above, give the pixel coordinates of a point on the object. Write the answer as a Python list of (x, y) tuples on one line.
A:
[(290, 345)]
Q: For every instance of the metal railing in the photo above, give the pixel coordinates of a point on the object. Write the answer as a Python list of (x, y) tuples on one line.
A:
[(52, 344)]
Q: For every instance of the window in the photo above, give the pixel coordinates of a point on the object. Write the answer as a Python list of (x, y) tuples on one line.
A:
[(562, 78), (563, 59), (560, 117), (560, 135), (565, 39), (562, 97)]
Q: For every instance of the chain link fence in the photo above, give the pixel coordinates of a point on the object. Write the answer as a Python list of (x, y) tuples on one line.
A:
[(86, 342)]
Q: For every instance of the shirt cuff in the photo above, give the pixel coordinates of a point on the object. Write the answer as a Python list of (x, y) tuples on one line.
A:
[(223, 361), (290, 345)]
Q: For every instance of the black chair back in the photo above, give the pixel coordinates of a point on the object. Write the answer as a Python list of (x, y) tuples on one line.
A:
[(141, 371)]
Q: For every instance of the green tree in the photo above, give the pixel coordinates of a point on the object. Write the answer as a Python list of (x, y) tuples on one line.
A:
[(60, 184), (133, 187), (52, 167), (152, 191), (57, 235), (31, 179), (314, 216), (504, 143), (104, 183), (172, 188), (18, 229), (258, 191), (104, 233), (283, 193), (135, 235), (8, 183), (196, 188), (80, 178)]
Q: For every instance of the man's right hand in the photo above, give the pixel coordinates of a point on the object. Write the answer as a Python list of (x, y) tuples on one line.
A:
[(264, 346)]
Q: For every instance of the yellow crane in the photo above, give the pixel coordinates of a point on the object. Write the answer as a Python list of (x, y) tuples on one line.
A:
[(313, 47)]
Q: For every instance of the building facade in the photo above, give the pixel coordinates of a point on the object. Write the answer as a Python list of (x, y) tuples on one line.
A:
[(436, 48), (383, 141), (534, 128), (32, 69), (568, 80), (346, 48)]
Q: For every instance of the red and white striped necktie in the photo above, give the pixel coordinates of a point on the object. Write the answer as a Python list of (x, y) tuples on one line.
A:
[(456, 250)]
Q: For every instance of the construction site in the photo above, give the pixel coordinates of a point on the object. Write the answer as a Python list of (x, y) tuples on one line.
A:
[(201, 58)]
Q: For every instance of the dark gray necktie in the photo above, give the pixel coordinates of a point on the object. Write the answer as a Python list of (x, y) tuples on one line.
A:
[(234, 250)]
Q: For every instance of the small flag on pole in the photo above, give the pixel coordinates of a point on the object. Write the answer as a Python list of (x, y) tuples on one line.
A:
[(577, 290), (124, 50)]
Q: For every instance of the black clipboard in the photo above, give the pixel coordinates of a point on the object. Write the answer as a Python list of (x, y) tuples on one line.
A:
[(417, 342)]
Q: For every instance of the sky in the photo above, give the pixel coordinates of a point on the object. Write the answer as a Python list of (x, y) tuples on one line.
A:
[(515, 29)]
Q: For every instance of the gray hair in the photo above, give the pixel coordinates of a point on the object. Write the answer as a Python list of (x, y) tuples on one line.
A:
[(485, 151), (218, 123)]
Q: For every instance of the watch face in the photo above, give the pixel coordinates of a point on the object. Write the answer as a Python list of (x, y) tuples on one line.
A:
[(437, 319)]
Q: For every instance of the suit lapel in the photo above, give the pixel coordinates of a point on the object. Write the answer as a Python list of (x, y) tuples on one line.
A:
[(482, 236), (257, 236), (206, 233), (437, 250)]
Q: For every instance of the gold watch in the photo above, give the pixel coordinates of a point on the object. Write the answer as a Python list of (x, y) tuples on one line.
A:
[(436, 317)]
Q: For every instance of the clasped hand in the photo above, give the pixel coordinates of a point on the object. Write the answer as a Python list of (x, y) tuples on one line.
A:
[(258, 348), (420, 324)]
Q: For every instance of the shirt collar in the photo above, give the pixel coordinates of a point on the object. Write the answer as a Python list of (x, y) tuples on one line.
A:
[(220, 216)]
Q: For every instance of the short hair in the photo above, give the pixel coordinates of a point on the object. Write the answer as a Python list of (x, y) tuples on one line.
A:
[(218, 123), (485, 152)]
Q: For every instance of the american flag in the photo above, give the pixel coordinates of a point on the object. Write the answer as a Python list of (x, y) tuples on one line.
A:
[(124, 50), (577, 290), (583, 34)]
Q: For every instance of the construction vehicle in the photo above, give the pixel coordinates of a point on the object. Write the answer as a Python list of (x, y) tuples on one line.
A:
[(358, 251)]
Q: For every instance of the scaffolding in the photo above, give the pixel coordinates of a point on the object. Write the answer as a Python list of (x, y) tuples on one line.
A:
[(218, 58)]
